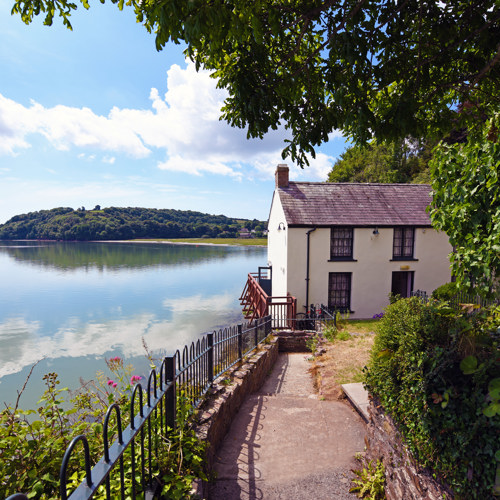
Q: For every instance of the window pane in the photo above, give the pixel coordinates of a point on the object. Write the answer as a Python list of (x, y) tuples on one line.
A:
[(408, 242), (339, 293), (403, 242), (398, 239), (341, 242)]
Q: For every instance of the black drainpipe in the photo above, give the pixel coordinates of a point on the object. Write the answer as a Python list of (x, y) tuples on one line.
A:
[(307, 267)]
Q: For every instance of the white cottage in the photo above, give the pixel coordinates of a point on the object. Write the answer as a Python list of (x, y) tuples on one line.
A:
[(349, 245)]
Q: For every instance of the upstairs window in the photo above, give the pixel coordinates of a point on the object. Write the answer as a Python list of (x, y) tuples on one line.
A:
[(341, 243), (403, 244)]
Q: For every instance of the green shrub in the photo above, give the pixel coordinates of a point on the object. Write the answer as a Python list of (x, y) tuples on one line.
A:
[(33, 443), (330, 331), (371, 481), (438, 401), (343, 336), (312, 342), (445, 292)]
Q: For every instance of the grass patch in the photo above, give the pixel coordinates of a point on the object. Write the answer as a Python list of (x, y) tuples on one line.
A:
[(362, 325), (213, 241), (343, 335), (345, 357)]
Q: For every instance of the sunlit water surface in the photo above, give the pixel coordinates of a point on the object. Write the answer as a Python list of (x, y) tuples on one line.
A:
[(68, 306)]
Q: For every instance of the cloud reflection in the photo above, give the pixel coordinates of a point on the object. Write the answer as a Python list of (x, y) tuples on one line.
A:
[(21, 345)]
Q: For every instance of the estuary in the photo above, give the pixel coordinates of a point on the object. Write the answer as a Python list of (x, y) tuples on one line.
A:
[(68, 306)]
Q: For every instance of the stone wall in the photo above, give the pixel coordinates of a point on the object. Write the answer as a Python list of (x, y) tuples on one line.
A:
[(404, 478), (293, 341)]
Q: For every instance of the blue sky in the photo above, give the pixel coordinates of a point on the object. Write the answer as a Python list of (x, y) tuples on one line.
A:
[(96, 116)]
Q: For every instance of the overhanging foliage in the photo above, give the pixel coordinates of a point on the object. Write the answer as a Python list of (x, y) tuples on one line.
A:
[(387, 68)]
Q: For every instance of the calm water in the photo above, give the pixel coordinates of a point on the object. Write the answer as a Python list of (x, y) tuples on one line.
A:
[(70, 305)]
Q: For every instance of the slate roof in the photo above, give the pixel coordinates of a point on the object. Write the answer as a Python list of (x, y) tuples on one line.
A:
[(354, 204)]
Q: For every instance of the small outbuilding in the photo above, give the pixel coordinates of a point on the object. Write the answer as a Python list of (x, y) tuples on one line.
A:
[(245, 233)]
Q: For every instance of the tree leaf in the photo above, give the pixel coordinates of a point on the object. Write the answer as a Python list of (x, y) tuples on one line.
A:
[(468, 365)]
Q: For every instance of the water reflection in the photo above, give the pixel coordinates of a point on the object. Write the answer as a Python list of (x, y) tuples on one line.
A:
[(113, 297), (117, 255), (22, 345)]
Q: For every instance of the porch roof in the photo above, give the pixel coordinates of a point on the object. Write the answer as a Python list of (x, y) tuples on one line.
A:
[(355, 204)]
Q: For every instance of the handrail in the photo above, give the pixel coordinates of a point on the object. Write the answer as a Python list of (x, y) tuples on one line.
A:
[(257, 304)]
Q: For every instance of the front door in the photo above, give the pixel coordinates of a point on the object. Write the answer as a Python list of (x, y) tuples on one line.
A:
[(402, 283)]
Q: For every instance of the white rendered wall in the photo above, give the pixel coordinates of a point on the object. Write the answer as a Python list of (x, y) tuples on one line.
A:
[(435, 268), (296, 252), (276, 247), (372, 269)]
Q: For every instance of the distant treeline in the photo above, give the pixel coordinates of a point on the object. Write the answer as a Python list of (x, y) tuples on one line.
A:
[(123, 223)]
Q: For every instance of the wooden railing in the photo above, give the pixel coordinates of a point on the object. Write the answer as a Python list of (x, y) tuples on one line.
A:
[(257, 304)]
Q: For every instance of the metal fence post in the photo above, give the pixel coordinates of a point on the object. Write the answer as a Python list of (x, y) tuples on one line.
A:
[(210, 357), (170, 396), (256, 332), (240, 342)]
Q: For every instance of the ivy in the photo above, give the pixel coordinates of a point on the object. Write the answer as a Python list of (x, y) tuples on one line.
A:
[(436, 372), (466, 204)]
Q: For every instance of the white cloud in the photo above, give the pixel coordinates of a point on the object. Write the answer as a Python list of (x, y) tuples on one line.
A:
[(317, 171), (185, 123), (196, 166), (14, 125), (183, 126), (64, 127), (318, 168)]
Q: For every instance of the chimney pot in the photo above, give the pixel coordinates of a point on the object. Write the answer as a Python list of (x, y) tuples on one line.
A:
[(282, 176)]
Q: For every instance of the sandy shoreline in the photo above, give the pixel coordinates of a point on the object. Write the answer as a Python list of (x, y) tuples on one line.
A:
[(168, 242)]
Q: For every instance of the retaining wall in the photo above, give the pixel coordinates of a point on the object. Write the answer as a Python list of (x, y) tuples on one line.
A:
[(293, 341), (404, 478)]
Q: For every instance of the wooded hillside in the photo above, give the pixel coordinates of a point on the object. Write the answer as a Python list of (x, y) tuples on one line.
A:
[(114, 223)]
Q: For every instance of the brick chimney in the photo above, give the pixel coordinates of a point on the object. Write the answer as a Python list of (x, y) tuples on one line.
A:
[(282, 176)]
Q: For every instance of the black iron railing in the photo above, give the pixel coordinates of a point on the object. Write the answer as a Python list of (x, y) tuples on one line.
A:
[(188, 374), (421, 294), (310, 321), (461, 299)]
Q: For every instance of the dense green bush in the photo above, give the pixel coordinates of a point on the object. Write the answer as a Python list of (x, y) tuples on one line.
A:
[(445, 292), (436, 372)]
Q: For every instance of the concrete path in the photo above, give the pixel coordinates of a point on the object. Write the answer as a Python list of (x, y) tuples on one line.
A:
[(285, 443)]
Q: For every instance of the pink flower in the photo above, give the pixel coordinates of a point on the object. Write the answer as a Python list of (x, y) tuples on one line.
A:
[(135, 378), (111, 382), (114, 384)]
